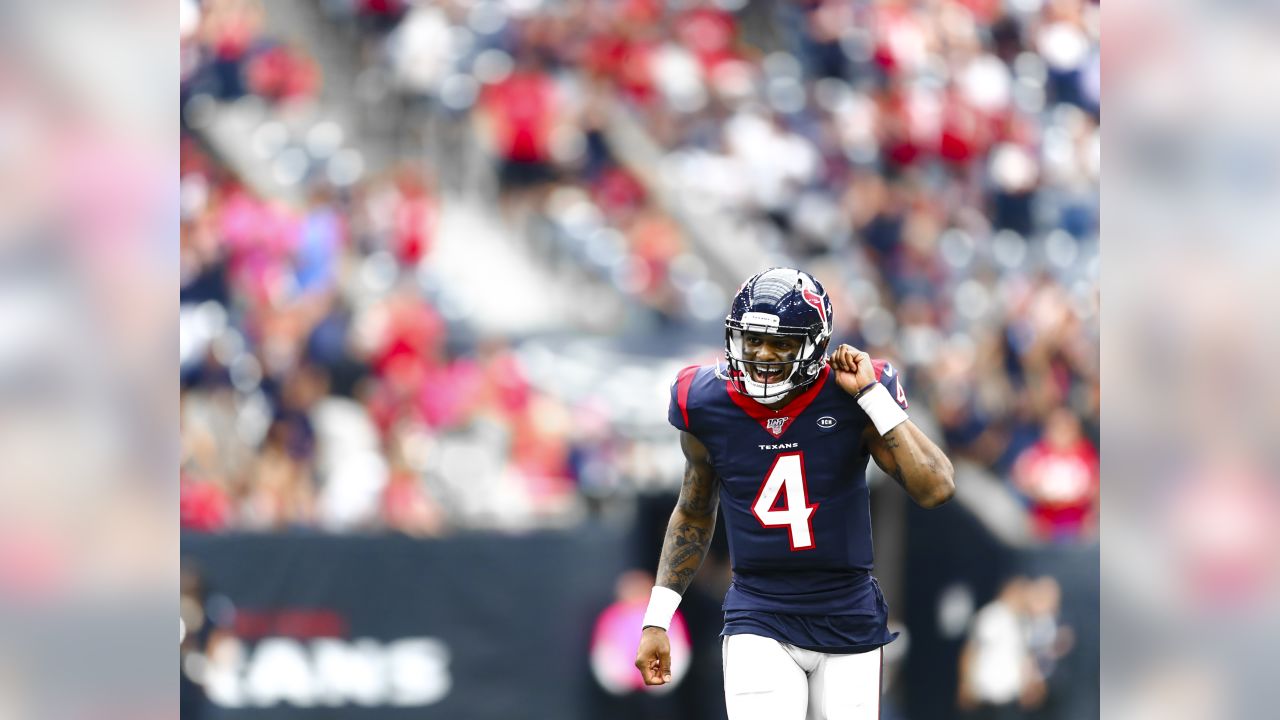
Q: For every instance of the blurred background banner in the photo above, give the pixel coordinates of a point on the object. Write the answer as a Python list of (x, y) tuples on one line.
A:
[(441, 261), (485, 626), (391, 627)]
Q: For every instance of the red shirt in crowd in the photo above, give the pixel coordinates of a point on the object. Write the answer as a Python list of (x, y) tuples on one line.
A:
[(202, 506), (523, 110), (1059, 475)]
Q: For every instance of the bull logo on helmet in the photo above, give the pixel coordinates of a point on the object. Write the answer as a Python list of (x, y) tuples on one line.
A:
[(815, 300)]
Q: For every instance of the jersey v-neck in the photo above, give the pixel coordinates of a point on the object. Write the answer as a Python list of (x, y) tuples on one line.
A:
[(776, 422)]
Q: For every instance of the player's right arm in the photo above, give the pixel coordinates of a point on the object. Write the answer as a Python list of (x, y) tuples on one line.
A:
[(689, 532), (694, 519)]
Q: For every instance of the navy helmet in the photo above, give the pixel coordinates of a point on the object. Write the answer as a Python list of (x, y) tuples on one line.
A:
[(778, 301)]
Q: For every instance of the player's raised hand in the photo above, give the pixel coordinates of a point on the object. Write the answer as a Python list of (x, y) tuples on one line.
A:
[(852, 368), (653, 657)]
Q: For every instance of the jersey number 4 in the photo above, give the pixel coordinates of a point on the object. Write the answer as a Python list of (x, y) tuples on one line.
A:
[(786, 478)]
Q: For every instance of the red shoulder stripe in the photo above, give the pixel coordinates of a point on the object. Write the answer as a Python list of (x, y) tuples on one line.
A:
[(683, 382)]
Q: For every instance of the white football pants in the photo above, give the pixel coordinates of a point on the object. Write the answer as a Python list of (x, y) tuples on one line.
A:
[(769, 680)]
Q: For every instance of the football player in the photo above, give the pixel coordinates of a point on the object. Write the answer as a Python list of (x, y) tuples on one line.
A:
[(779, 439)]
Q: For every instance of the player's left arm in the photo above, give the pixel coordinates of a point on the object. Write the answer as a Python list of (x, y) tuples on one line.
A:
[(907, 455), (900, 448)]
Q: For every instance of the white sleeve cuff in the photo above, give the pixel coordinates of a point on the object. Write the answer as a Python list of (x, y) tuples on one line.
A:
[(879, 405), (663, 602)]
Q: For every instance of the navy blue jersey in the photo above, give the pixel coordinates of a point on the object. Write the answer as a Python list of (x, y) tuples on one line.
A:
[(793, 493)]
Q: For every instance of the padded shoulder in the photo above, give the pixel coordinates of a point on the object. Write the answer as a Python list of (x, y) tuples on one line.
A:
[(891, 378), (687, 391)]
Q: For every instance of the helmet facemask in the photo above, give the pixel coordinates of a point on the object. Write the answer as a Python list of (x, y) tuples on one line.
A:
[(804, 367)]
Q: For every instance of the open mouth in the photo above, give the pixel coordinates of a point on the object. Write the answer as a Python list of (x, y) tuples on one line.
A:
[(773, 375)]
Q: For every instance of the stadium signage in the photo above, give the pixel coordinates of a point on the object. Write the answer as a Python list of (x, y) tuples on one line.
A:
[(328, 672), (386, 627)]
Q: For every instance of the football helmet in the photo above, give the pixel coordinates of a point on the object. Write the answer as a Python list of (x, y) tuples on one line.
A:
[(778, 301)]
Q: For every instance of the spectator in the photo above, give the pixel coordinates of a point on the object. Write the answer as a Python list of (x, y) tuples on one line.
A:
[(613, 640), (1059, 477), (408, 508), (998, 676), (522, 112), (282, 490), (1047, 640)]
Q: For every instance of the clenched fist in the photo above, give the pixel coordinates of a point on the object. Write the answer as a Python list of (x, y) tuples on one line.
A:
[(853, 368), (653, 657)]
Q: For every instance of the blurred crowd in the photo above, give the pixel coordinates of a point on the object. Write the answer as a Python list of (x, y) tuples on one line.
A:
[(319, 383), (935, 163)]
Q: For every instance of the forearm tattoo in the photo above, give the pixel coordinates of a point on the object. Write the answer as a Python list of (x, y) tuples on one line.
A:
[(690, 529), (697, 493), (892, 443), (891, 439), (682, 555), (923, 462)]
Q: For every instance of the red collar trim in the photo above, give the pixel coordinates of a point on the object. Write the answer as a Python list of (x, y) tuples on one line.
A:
[(776, 422)]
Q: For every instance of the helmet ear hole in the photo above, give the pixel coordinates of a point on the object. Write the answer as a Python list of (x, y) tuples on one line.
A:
[(822, 346)]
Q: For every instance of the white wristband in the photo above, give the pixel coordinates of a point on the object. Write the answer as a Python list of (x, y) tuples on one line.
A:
[(663, 602), (879, 405)]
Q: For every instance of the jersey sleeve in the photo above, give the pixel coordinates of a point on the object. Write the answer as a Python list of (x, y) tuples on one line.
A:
[(889, 376), (678, 410)]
